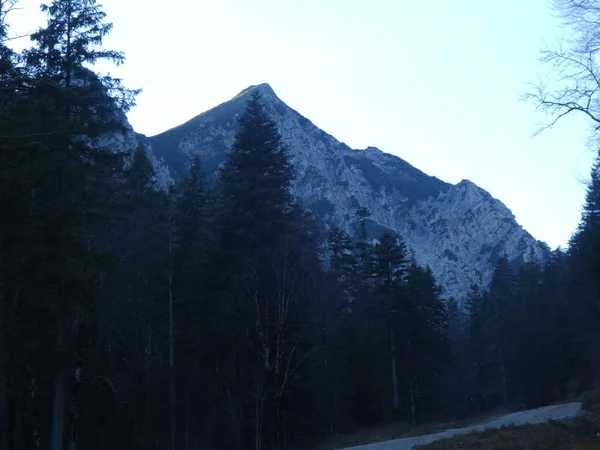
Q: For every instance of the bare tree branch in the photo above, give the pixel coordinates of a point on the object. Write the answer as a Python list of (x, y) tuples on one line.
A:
[(575, 83), (6, 7), (583, 18), (19, 36), (576, 88)]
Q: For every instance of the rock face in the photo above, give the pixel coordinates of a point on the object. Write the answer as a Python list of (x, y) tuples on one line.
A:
[(458, 230), (127, 142)]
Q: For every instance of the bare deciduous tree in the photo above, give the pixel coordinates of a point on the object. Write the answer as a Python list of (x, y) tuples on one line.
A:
[(6, 7), (575, 83)]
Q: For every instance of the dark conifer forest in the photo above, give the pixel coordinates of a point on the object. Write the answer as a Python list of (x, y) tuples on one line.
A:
[(223, 315)]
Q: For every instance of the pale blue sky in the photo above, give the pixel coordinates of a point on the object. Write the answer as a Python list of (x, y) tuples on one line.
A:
[(435, 82)]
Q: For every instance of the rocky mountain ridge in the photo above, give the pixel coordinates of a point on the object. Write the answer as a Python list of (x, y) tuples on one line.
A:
[(458, 230)]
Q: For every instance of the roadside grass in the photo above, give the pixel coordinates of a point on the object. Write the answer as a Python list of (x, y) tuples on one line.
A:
[(577, 434), (581, 433)]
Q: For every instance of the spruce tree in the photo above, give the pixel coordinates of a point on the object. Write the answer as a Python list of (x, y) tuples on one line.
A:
[(260, 267), (255, 181), (139, 318), (562, 324), (498, 310), (343, 258), (390, 261), (458, 380), (390, 265), (73, 180), (199, 314), (585, 244), (192, 217), (140, 173), (474, 305), (426, 346), (530, 339), (584, 281)]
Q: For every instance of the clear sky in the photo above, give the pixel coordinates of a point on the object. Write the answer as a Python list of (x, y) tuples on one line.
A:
[(435, 82)]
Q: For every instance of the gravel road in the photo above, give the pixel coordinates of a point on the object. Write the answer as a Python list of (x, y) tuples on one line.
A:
[(531, 416)]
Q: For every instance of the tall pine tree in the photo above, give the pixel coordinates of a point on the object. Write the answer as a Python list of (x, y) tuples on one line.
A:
[(261, 266), (72, 182)]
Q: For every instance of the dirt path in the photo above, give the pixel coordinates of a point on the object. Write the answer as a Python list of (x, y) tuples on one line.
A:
[(531, 416)]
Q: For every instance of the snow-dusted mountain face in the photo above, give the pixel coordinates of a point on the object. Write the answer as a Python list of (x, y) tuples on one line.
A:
[(458, 230)]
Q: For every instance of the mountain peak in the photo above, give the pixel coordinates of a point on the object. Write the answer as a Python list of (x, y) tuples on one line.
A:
[(264, 88), (457, 230)]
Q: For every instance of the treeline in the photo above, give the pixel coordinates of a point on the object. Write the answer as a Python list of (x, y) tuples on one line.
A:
[(224, 315)]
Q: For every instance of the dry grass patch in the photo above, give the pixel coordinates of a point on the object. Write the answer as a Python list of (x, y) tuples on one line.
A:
[(591, 404), (395, 431)]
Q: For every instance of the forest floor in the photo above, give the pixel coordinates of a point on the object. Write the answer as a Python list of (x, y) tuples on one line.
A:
[(527, 430)]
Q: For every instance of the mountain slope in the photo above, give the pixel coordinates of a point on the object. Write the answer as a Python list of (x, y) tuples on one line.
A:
[(459, 230)]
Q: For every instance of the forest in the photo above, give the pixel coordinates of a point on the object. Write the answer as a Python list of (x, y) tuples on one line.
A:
[(223, 315)]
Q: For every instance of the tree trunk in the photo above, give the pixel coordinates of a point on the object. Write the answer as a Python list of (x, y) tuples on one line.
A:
[(413, 416), (187, 423), (36, 415), (394, 371), (58, 398), (4, 431), (501, 354), (258, 412), (503, 374), (171, 345), (74, 407), (17, 425)]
